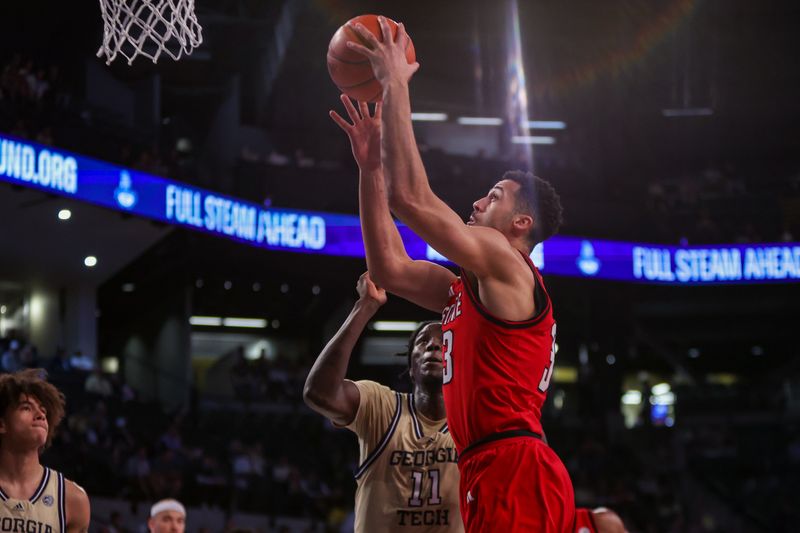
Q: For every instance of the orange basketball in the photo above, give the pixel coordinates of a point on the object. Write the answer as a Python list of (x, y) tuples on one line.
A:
[(350, 70)]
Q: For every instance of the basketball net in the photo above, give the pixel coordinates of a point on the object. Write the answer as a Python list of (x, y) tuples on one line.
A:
[(148, 28)]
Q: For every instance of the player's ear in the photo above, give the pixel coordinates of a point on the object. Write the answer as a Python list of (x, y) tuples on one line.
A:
[(522, 223)]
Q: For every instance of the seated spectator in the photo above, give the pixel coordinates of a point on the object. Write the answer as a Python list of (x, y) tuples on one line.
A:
[(10, 360), (97, 384)]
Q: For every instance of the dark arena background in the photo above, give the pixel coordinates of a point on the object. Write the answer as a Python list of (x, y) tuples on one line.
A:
[(182, 337)]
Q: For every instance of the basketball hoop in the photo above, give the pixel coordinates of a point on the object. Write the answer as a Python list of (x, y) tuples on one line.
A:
[(148, 28)]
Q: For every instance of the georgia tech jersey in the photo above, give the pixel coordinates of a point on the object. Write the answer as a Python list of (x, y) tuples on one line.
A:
[(43, 512), (408, 474)]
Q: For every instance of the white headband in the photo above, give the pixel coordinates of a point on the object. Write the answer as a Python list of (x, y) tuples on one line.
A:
[(167, 505)]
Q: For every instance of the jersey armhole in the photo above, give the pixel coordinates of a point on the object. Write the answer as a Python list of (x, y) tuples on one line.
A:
[(374, 454)]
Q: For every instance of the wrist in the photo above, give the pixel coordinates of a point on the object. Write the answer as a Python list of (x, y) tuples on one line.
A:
[(395, 84), (367, 305), (370, 169)]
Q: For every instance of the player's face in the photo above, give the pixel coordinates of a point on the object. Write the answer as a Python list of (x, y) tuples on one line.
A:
[(167, 522), (496, 209), (426, 357), (25, 424)]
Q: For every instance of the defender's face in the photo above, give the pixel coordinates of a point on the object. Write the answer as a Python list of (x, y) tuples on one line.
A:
[(426, 357), (25, 424), (167, 522), (496, 209)]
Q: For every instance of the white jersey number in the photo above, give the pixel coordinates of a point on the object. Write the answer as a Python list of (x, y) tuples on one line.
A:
[(447, 350), (548, 370), (416, 489)]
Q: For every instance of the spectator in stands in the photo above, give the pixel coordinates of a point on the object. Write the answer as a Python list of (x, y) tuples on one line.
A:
[(59, 364), (10, 360), (115, 524), (97, 384), (138, 471)]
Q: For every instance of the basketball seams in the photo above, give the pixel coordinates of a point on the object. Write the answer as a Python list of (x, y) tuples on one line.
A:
[(357, 84), (333, 56)]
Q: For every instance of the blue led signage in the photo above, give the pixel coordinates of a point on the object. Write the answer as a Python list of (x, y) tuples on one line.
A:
[(59, 172)]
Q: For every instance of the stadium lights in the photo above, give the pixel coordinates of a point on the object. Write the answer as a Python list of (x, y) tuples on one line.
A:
[(229, 322), (64, 214), (480, 121), (533, 139), (429, 117), (661, 388), (394, 325), (90, 261), (205, 320), (688, 112), (632, 397), (547, 124), (244, 322)]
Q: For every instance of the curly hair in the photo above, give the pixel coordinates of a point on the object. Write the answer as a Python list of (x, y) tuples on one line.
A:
[(32, 382), (537, 197)]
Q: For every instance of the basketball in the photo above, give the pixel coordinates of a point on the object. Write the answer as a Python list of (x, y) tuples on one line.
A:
[(351, 70)]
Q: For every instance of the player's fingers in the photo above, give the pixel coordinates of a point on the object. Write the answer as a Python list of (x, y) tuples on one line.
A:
[(367, 37), (415, 66), (378, 111), (360, 49), (351, 110), (340, 121), (363, 108), (402, 35), (386, 31)]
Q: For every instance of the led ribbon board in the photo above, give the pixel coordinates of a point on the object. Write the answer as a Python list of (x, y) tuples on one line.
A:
[(82, 178)]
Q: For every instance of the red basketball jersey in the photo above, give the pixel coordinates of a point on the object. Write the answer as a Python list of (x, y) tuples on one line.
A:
[(584, 521), (496, 371)]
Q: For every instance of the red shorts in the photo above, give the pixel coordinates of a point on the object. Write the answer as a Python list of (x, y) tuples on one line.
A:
[(584, 521), (514, 485)]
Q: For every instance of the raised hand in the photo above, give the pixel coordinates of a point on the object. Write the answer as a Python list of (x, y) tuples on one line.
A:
[(364, 132), (369, 292), (387, 57)]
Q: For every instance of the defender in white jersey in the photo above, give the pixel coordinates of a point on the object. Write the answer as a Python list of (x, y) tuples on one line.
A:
[(34, 498), (408, 474)]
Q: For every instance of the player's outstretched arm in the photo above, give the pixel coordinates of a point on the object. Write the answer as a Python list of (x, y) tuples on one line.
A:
[(326, 390), (421, 282), (481, 250), (78, 508)]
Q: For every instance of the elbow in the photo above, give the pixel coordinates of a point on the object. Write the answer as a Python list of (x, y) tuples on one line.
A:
[(387, 275), (381, 277), (312, 396)]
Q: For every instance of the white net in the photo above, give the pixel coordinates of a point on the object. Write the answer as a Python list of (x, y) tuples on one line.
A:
[(148, 28)]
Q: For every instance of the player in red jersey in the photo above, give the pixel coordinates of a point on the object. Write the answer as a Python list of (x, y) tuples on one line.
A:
[(600, 520), (496, 315)]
